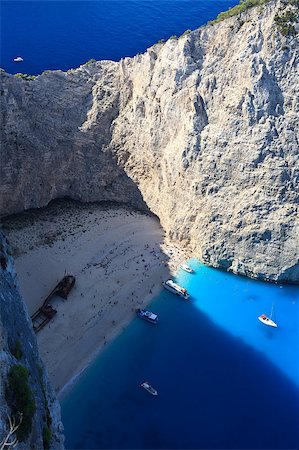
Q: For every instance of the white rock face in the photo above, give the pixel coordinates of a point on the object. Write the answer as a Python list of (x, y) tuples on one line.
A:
[(202, 130)]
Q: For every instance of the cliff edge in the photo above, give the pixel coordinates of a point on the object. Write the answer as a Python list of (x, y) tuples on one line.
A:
[(202, 130), (24, 386)]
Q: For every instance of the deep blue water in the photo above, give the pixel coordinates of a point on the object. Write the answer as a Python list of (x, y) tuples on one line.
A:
[(65, 34), (225, 380)]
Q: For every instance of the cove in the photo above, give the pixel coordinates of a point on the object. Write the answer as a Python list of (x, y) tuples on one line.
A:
[(224, 379)]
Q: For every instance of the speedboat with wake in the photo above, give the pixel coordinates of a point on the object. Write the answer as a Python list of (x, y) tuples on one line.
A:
[(187, 268), (18, 59), (171, 286), (149, 388), (147, 315)]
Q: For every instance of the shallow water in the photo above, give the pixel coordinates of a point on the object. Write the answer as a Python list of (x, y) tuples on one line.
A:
[(224, 379), (65, 34)]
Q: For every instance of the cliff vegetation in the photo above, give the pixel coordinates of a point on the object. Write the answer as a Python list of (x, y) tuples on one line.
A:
[(29, 410)]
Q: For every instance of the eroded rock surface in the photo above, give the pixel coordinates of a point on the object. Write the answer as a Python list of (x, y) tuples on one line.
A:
[(202, 130), (18, 347)]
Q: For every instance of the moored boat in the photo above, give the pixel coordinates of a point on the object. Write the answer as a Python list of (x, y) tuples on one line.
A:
[(149, 388), (18, 59), (176, 289), (147, 315), (187, 268), (267, 320)]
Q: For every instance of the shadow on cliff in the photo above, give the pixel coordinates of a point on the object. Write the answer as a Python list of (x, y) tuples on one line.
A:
[(69, 155)]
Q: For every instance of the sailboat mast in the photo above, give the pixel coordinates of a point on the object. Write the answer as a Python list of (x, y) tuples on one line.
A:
[(272, 310)]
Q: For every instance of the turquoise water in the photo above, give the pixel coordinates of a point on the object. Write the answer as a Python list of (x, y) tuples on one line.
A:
[(225, 380), (240, 303)]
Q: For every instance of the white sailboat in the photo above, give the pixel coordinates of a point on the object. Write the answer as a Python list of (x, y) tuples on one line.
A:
[(268, 320)]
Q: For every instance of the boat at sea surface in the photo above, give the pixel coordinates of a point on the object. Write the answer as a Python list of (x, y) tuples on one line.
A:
[(147, 315), (149, 388), (187, 268), (18, 59), (267, 321), (176, 289)]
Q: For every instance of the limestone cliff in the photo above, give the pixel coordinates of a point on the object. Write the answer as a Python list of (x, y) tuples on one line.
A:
[(18, 347), (202, 130)]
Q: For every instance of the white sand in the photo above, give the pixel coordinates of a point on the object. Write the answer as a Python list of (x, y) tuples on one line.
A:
[(117, 259)]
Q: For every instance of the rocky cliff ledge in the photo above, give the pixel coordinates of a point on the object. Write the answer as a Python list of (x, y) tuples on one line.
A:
[(203, 130), (24, 385)]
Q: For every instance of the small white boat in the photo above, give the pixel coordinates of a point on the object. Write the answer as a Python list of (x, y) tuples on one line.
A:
[(267, 320), (187, 268), (147, 315), (176, 289), (149, 388), (18, 59)]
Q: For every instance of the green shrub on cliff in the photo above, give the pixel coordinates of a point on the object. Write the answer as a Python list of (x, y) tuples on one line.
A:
[(243, 6), (25, 76), (285, 23), (185, 33), (47, 436), (92, 60), (20, 399), (16, 351)]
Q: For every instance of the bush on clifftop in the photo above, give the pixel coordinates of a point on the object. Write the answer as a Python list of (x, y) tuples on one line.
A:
[(243, 6), (92, 60), (25, 76)]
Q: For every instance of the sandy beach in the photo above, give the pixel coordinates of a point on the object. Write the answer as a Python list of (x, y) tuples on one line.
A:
[(119, 259)]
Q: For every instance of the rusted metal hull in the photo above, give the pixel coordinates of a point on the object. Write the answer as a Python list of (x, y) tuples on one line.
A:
[(42, 316), (64, 287), (46, 312)]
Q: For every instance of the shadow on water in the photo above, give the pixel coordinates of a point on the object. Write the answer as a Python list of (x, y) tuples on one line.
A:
[(214, 390), (234, 303)]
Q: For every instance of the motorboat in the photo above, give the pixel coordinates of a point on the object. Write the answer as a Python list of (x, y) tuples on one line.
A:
[(176, 289), (268, 320), (18, 59), (149, 388), (147, 315), (187, 268)]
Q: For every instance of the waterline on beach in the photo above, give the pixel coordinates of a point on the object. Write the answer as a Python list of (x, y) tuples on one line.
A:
[(198, 357), (116, 257)]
